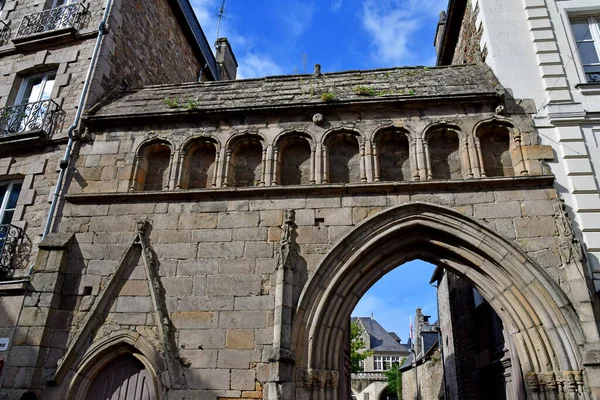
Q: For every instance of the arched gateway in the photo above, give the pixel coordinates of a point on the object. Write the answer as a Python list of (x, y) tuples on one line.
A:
[(534, 309)]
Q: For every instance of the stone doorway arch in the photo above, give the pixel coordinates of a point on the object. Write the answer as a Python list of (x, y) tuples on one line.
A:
[(535, 311)]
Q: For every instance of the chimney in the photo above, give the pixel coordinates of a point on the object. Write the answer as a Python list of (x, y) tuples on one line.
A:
[(226, 60), (439, 32)]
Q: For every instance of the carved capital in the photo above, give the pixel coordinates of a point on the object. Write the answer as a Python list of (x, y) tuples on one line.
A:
[(317, 378)]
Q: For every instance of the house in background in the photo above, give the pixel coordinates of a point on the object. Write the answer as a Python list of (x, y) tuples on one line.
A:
[(423, 369), (387, 350)]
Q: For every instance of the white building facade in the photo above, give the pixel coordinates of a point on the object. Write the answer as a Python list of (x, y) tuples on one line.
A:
[(547, 51)]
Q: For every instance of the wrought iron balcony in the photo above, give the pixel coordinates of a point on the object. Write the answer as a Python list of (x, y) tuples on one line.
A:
[(54, 19), (10, 238), (593, 77), (39, 116)]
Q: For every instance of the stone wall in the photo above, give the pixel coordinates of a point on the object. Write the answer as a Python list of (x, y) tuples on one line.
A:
[(468, 49), (146, 46), (429, 377)]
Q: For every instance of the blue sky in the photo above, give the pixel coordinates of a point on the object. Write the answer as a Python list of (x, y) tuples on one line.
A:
[(396, 296), (290, 36)]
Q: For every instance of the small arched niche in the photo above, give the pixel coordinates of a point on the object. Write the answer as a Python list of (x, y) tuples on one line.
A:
[(343, 157), (152, 172), (444, 154), (495, 146), (393, 155), (246, 162), (294, 161), (200, 166)]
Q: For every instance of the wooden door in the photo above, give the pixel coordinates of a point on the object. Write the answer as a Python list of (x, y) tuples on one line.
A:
[(123, 379)]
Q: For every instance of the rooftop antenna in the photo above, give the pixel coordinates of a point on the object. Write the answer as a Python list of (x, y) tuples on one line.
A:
[(221, 13)]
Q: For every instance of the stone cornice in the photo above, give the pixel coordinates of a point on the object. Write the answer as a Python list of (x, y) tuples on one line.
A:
[(143, 118), (315, 190)]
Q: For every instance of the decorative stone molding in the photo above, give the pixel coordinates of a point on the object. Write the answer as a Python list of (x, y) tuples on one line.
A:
[(555, 382), (317, 378)]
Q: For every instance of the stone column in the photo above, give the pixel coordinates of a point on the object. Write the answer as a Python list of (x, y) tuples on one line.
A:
[(282, 360), (276, 167), (271, 166), (319, 163), (428, 161), (325, 165), (516, 155), (180, 171), (466, 159), (369, 160), (215, 179), (263, 171), (226, 167), (313, 162), (481, 169), (136, 167), (376, 172), (171, 173), (363, 166)]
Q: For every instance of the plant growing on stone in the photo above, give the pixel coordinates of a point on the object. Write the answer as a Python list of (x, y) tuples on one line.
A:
[(171, 103), (327, 97), (364, 91), (191, 104)]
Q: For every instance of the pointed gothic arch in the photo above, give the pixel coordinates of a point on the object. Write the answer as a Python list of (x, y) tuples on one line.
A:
[(532, 306), (109, 349)]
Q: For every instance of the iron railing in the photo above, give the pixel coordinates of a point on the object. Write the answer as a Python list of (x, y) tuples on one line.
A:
[(50, 20), (10, 238), (593, 77), (38, 116)]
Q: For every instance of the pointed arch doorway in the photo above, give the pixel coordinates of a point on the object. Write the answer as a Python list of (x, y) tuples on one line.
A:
[(125, 378), (530, 304)]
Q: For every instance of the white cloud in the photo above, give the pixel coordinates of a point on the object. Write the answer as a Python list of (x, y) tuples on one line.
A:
[(296, 17), (392, 25), (336, 5), (252, 63), (255, 65)]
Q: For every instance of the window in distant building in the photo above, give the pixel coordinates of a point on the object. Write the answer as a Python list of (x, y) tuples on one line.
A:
[(377, 363), (587, 38), (361, 364)]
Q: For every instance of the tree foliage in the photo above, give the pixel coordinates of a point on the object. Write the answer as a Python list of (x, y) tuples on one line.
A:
[(394, 379), (358, 347)]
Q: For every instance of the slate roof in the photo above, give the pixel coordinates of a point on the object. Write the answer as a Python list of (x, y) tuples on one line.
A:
[(405, 84), (380, 339)]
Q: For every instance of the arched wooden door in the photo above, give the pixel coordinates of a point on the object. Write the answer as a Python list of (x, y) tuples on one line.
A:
[(123, 379)]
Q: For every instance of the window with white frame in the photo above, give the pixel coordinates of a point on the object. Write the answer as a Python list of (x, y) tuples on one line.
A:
[(9, 194), (377, 363), (383, 363), (32, 104), (586, 32)]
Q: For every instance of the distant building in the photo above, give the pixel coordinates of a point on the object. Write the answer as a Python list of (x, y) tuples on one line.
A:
[(423, 369), (387, 350)]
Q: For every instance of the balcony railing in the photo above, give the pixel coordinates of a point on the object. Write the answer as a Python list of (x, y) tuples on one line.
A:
[(10, 238), (38, 116), (62, 17), (593, 77)]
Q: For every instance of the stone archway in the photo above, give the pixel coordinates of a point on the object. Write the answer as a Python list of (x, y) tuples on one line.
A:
[(535, 311)]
